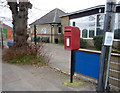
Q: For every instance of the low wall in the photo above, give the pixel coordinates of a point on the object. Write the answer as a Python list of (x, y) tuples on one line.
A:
[(87, 63), (90, 43)]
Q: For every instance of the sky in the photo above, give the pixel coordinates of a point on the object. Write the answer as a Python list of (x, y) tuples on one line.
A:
[(41, 7)]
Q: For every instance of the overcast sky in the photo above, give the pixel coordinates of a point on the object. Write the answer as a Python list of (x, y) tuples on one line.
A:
[(41, 7)]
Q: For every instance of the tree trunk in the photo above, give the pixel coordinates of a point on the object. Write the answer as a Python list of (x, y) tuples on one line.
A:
[(20, 16)]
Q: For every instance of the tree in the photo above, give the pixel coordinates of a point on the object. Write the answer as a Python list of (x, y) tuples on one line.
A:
[(19, 9)]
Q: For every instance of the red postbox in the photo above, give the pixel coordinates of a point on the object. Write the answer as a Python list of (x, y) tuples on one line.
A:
[(71, 38)]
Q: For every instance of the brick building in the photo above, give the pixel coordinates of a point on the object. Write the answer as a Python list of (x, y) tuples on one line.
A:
[(6, 31), (90, 22), (49, 26)]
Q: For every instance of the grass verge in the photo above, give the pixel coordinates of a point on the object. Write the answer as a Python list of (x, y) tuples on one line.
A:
[(74, 84), (28, 60), (26, 56)]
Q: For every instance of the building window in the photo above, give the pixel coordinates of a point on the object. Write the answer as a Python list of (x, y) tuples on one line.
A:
[(84, 33), (59, 29), (99, 31), (91, 33), (117, 34)]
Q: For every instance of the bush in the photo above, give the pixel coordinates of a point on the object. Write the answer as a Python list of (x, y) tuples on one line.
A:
[(30, 54), (98, 42), (83, 43)]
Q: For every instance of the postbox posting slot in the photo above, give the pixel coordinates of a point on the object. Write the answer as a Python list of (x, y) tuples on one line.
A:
[(67, 31)]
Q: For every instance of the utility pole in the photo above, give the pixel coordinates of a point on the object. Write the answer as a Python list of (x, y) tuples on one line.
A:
[(108, 35), (119, 28)]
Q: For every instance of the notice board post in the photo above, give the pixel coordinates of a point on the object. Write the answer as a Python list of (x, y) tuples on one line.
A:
[(108, 35)]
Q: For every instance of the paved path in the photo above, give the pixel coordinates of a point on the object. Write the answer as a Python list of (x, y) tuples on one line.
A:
[(60, 58), (29, 78)]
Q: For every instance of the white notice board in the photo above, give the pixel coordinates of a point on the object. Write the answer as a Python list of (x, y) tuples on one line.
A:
[(109, 36)]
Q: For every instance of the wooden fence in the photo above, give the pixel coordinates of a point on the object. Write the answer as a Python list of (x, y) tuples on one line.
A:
[(114, 71)]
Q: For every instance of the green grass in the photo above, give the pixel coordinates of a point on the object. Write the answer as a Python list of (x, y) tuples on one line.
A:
[(95, 49), (74, 84), (115, 51), (61, 44), (28, 60), (27, 55)]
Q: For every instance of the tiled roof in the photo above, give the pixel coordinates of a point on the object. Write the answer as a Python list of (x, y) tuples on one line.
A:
[(51, 17), (5, 26)]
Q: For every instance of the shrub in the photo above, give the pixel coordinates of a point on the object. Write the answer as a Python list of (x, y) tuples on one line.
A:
[(98, 42), (83, 43), (30, 54)]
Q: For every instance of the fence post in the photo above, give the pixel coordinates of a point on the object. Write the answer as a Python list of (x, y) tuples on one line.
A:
[(35, 37), (2, 38), (2, 34), (106, 47)]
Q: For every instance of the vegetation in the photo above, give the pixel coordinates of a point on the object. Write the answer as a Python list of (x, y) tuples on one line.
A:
[(98, 42), (61, 44), (115, 51), (83, 43), (74, 84), (22, 52), (31, 55)]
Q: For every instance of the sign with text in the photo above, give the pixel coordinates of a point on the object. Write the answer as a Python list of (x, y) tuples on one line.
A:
[(109, 36)]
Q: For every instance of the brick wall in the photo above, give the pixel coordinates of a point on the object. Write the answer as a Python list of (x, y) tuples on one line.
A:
[(65, 22), (49, 29)]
